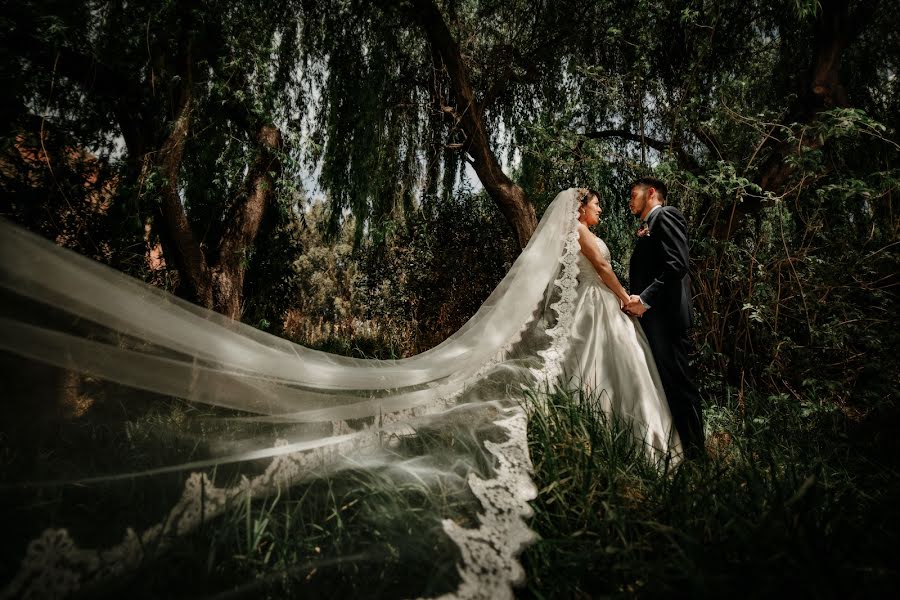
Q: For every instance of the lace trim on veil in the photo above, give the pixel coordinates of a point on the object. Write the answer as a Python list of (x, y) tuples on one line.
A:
[(54, 566), (490, 565), (567, 284)]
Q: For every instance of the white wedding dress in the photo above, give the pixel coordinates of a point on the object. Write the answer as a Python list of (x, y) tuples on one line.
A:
[(551, 321), (609, 356)]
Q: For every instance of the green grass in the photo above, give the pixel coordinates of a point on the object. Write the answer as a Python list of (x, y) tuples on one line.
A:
[(794, 498), (356, 534), (360, 531)]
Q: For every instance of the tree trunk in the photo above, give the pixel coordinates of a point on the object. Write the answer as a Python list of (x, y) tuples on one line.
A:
[(215, 281), (242, 225), (511, 199), (821, 89), (179, 245)]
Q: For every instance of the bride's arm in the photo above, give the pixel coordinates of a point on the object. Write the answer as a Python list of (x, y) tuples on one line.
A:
[(591, 250)]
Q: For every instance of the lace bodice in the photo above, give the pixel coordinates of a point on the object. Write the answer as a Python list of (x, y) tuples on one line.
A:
[(604, 249), (587, 274)]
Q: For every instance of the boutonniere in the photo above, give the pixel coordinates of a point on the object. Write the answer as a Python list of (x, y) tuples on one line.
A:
[(643, 230)]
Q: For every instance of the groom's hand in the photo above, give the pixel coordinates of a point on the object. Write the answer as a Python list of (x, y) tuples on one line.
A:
[(634, 306)]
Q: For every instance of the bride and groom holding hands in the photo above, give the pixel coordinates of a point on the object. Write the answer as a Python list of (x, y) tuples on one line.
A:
[(631, 349), (643, 367)]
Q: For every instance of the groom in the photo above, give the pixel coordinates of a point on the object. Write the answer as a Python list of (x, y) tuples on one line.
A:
[(659, 270)]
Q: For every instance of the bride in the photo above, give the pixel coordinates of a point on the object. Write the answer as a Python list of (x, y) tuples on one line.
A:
[(554, 319)]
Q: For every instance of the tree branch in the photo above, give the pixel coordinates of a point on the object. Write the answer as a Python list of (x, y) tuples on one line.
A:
[(685, 160), (708, 139)]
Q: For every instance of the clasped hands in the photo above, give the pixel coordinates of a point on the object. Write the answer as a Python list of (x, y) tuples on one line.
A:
[(634, 306)]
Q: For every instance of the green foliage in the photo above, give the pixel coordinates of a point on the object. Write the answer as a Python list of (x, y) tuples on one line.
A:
[(369, 122), (795, 282), (349, 531), (98, 88), (414, 283), (437, 268), (795, 498)]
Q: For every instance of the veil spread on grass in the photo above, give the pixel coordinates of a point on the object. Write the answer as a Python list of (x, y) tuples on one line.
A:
[(291, 412)]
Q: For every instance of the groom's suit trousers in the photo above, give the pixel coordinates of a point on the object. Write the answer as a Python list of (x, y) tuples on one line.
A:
[(671, 347)]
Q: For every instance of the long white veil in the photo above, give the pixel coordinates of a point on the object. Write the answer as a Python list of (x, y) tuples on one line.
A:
[(64, 310)]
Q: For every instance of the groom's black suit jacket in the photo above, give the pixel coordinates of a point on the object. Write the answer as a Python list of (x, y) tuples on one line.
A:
[(659, 269), (659, 273)]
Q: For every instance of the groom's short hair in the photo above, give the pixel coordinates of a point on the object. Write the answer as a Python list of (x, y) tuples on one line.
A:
[(653, 182)]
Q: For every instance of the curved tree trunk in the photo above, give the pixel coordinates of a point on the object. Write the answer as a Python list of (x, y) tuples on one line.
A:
[(508, 196), (215, 279), (242, 225), (179, 245)]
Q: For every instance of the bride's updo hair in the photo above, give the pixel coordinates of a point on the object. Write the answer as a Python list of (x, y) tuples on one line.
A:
[(585, 195)]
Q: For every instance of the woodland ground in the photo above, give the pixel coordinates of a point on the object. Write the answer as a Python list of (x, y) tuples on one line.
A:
[(794, 496)]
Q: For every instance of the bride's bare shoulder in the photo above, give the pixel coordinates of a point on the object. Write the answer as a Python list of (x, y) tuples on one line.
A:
[(587, 240)]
